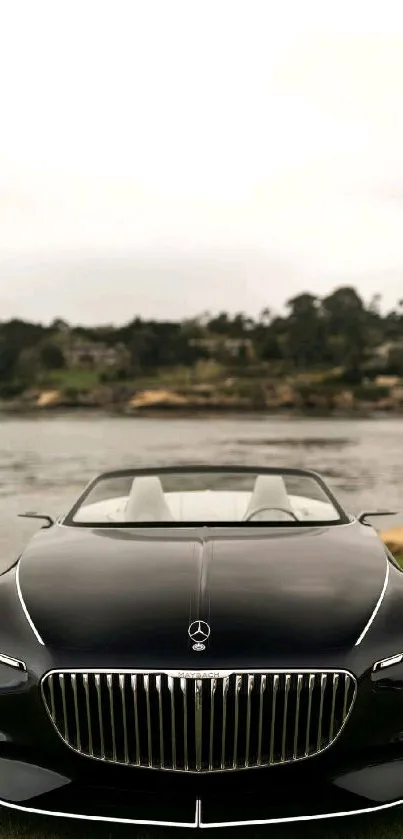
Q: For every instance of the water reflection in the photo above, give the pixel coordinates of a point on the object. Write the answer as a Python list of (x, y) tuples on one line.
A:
[(46, 461), (305, 442)]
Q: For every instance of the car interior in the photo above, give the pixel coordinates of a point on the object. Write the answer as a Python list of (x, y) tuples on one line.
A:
[(147, 502)]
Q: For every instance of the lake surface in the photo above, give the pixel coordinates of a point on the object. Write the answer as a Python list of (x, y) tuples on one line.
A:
[(45, 462)]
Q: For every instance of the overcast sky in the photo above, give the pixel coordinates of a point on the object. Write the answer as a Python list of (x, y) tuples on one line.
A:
[(164, 157)]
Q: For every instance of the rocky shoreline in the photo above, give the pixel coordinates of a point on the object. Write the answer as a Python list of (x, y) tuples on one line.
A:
[(393, 538), (245, 396)]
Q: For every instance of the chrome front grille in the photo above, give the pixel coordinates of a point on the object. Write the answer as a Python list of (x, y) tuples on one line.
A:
[(198, 722)]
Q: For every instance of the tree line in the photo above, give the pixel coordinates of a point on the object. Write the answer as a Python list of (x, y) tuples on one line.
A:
[(336, 330)]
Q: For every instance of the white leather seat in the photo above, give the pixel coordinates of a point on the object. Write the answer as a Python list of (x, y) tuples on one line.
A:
[(146, 501), (269, 492)]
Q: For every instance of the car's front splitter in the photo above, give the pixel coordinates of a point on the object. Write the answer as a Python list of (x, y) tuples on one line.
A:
[(33, 789)]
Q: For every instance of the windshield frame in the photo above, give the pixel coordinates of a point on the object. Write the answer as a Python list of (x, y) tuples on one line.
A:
[(69, 519)]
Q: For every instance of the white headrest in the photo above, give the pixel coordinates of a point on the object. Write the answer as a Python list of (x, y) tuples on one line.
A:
[(146, 501), (269, 491)]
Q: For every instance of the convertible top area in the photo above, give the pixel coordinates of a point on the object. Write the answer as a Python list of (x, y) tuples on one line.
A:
[(197, 495)]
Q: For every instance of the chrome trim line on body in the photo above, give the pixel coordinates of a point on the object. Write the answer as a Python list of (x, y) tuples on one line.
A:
[(198, 823), (377, 607), (201, 674), (13, 662), (114, 819), (243, 719), (289, 819), (24, 608)]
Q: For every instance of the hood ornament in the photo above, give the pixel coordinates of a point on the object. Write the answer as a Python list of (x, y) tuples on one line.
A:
[(199, 632)]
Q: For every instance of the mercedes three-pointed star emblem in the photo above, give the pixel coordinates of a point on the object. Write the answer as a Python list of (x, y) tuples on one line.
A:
[(199, 632)]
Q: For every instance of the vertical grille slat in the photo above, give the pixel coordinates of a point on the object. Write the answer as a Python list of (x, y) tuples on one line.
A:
[(76, 714), (347, 682), (122, 686), (87, 708), (171, 688), (323, 681), (260, 730), (251, 680), (287, 682), (198, 722), (183, 683), (109, 681), (225, 687), (308, 715), (64, 706), (238, 684), (52, 697), (335, 684), (146, 685), (273, 716), (296, 725), (160, 719), (133, 681), (213, 686), (100, 716), (218, 722)]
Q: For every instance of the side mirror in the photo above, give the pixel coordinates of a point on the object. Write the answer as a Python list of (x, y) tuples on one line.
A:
[(43, 516), (362, 517)]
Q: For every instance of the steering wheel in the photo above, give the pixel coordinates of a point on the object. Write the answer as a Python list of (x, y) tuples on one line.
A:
[(263, 507)]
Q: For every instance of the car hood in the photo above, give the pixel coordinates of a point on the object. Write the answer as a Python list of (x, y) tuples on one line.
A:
[(135, 592)]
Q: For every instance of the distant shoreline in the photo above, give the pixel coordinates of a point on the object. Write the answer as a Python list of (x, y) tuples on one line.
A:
[(250, 396), (209, 411)]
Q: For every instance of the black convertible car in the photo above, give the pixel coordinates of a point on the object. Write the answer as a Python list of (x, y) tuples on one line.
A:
[(202, 647)]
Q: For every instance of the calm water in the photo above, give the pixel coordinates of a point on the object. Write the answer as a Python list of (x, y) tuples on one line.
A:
[(45, 462)]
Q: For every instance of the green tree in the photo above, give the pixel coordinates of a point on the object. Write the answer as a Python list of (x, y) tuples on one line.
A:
[(51, 357), (8, 361), (305, 336), (346, 320), (220, 325), (269, 339)]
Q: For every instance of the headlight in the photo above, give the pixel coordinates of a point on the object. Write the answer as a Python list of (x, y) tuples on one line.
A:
[(381, 665), (13, 662), (13, 673)]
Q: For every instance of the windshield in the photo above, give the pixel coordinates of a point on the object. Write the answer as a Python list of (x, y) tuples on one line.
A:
[(184, 497)]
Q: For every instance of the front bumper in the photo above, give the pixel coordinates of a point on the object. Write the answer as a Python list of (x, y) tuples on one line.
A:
[(360, 773), (127, 795)]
